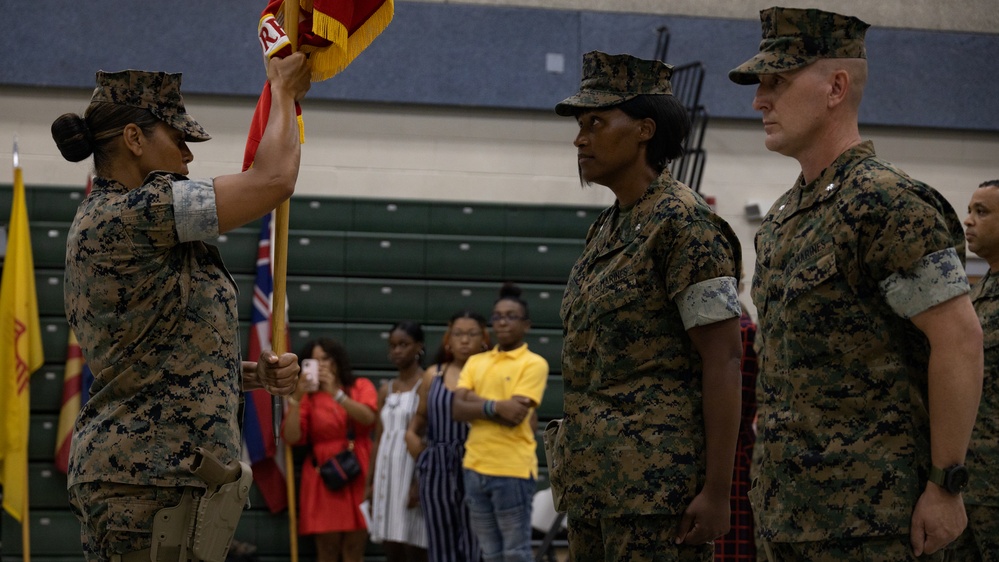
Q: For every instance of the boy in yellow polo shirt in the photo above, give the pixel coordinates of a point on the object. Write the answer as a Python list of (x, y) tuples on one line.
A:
[(497, 392)]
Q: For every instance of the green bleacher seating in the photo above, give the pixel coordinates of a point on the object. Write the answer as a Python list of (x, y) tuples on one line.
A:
[(46, 487), (317, 299), (544, 302), (548, 344), (391, 215), (313, 252), (549, 221), (54, 204), (465, 257), (320, 213), (445, 298), (46, 387), (383, 255), (54, 533), (551, 405), (386, 300), (48, 244), (368, 345), (49, 288), (42, 429), (540, 259), (55, 336), (6, 201), (468, 219)]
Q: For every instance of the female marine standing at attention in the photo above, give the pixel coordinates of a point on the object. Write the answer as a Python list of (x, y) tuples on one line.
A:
[(652, 348)]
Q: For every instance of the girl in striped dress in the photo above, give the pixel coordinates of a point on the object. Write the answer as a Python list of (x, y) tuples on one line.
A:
[(438, 444)]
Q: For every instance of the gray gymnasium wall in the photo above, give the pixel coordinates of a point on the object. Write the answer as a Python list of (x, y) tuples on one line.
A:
[(481, 56)]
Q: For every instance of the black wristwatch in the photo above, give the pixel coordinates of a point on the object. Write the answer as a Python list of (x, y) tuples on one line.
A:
[(953, 479)]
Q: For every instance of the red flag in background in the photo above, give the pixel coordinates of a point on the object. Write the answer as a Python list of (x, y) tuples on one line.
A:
[(332, 32), (75, 390)]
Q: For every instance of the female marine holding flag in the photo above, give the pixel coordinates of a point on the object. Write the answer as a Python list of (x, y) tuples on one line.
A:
[(155, 310)]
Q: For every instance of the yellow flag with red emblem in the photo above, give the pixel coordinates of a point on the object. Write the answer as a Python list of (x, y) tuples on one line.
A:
[(20, 352)]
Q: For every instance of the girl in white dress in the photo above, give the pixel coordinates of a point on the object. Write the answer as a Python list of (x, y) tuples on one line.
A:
[(397, 520)]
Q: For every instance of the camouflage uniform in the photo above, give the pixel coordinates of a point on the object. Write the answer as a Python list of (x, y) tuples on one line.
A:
[(155, 312), (981, 498), (634, 431), (629, 455), (843, 262)]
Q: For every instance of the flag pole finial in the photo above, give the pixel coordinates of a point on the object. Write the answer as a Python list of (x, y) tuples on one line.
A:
[(16, 158)]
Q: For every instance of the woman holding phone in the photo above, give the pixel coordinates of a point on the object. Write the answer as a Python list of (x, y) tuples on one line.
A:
[(330, 409)]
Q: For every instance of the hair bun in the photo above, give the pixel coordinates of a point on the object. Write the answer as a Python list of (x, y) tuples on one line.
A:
[(510, 290), (72, 137)]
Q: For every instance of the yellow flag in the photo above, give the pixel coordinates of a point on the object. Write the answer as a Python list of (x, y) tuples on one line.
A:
[(20, 353)]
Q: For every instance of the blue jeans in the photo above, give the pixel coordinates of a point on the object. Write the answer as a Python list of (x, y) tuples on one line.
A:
[(500, 510)]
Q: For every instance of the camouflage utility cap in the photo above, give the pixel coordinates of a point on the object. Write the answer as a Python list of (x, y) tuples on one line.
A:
[(159, 92), (794, 38), (611, 79)]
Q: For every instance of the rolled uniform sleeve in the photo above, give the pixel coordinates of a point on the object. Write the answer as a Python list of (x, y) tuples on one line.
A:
[(703, 253), (194, 209), (708, 302), (936, 278), (913, 255)]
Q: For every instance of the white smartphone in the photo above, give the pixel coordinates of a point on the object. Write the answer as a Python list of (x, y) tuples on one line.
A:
[(310, 370)]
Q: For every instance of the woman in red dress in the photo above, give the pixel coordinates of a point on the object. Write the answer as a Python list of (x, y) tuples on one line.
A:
[(322, 419)]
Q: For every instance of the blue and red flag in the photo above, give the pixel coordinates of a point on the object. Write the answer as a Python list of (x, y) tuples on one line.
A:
[(258, 433)]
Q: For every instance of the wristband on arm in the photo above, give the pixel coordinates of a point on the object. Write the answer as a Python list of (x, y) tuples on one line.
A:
[(489, 408)]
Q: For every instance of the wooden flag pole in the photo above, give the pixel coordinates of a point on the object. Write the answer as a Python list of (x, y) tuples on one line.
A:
[(281, 220)]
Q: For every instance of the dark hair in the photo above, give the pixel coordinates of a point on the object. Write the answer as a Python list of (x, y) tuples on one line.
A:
[(79, 137), (990, 183), (511, 292), (413, 330), (443, 354), (337, 353), (672, 126)]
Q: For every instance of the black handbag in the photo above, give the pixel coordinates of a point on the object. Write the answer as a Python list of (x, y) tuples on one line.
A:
[(342, 468)]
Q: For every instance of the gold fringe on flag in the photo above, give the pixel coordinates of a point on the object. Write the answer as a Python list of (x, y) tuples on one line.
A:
[(329, 61)]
